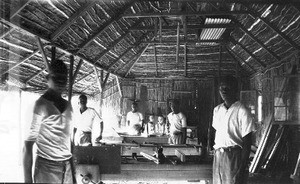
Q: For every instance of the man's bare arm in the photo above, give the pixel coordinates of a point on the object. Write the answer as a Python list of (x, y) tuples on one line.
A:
[(27, 161)]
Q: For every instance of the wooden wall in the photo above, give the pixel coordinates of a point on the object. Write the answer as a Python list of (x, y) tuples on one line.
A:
[(196, 100)]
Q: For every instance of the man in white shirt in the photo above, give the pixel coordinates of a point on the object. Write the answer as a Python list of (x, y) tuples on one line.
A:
[(178, 124), (233, 125), (51, 132), (86, 119), (135, 120)]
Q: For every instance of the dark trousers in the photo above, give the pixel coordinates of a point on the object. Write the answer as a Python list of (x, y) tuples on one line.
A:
[(226, 167)]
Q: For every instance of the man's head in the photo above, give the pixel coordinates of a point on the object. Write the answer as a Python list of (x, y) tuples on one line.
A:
[(134, 107), (58, 76), (228, 88), (174, 105), (82, 101)]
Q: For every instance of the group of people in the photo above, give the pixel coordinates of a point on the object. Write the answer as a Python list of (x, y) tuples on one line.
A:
[(52, 132), (175, 126)]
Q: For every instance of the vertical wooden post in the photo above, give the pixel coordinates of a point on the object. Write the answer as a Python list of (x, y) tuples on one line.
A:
[(185, 59), (160, 29), (178, 42), (219, 72), (70, 78), (119, 86)]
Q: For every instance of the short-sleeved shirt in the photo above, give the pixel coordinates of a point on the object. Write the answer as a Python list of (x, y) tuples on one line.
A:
[(177, 122), (134, 118), (85, 120), (231, 124), (51, 130)]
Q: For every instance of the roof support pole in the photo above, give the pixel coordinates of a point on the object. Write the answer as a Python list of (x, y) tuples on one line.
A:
[(77, 70), (155, 59), (53, 53), (70, 88), (178, 42), (185, 60), (119, 86), (98, 79), (41, 48), (160, 29)]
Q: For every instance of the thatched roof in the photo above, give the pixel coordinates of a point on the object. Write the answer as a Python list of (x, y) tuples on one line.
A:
[(144, 39)]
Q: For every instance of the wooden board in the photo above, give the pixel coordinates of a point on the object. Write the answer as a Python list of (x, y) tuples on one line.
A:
[(141, 140)]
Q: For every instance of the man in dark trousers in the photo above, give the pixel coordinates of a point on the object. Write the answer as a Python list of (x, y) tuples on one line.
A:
[(233, 128)]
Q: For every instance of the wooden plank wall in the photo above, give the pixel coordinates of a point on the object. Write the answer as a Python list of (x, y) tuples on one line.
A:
[(196, 98)]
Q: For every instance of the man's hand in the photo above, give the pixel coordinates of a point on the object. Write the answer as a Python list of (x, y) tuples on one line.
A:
[(99, 138)]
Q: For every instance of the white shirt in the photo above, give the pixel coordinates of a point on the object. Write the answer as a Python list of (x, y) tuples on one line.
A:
[(51, 130), (134, 118), (231, 124), (177, 122), (85, 120)]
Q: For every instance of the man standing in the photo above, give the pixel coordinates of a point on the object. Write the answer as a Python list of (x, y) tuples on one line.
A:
[(51, 131), (135, 120), (86, 117), (233, 125), (178, 124)]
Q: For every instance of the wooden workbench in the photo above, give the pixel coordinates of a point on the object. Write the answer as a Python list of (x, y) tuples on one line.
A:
[(144, 170)]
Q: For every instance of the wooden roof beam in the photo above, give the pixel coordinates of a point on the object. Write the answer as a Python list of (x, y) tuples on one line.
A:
[(258, 41), (20, 6), (115, 42), (227, 1), (116, 17), (41, 48), (248, 52), (163, 14), (72, 19), (182, 42), (150, 28), (25, 30), (264, 20), (234, 55), (127, 50)]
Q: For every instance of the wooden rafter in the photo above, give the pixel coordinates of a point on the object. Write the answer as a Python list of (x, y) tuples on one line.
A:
[(188, 27), (258, 41), (64, 50), (22, 61), (163, 14), (114, 18), (127, 50), (35, 75), (248, 52), (232, 54), (72, 19), (138, 57), (6, 33), (182, 42), (15, 10), (264, 20), (41, 48), (115, 42)]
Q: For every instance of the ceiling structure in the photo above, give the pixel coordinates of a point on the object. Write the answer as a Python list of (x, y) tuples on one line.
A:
[(139, 39)]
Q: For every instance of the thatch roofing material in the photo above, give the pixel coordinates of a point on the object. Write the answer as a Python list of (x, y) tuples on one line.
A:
[(119, 37)]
